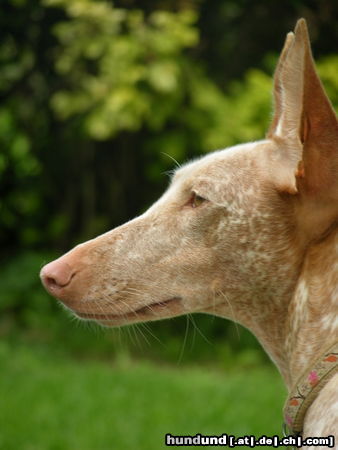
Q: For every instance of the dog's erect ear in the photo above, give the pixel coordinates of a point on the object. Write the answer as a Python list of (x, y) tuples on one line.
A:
[(304, 124), (277, 93)]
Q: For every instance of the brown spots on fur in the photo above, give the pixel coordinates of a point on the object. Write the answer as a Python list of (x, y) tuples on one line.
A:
[(262, 250)]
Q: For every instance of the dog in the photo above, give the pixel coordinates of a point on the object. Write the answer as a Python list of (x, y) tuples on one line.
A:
[(247, 233)]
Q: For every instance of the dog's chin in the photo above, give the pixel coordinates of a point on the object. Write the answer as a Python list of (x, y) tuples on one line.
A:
[(153, 311)]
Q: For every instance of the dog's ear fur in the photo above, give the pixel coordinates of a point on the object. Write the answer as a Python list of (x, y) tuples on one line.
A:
[(304, 125), (278, 90)]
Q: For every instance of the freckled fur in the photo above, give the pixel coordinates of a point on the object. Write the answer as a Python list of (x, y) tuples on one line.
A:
[(261, 250)]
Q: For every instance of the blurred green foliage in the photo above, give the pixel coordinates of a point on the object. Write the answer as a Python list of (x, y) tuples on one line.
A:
[(97, 98), (120, 67)]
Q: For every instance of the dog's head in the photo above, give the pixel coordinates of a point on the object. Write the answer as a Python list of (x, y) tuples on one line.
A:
[(230, 231), (204, 239)]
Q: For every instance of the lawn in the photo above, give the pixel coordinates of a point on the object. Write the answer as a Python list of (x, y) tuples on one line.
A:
[(49, 402)]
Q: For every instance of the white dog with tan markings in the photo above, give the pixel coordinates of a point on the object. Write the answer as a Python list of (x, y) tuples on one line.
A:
[(248, 233)]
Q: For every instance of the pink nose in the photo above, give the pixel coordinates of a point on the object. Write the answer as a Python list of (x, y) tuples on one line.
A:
[(56, 275)]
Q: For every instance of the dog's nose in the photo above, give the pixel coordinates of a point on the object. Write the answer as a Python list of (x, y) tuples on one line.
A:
[(56, 275)]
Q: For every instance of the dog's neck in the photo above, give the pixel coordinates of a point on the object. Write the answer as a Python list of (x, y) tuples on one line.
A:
[(307, 321), (312, 328), (297, 323), (312, 316)]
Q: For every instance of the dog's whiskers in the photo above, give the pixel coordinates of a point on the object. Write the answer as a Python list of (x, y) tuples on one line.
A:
[(184, 341), (232, 317), (199, 331)]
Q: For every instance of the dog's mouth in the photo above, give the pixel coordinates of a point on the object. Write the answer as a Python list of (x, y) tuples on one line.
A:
[(152, 310)]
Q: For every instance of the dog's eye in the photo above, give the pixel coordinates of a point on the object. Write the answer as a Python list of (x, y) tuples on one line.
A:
[(196, 200)]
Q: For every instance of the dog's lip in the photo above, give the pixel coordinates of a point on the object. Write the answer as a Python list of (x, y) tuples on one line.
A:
[(150, 308)]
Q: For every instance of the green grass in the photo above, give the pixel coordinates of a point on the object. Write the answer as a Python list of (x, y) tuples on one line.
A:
[(48, 402)]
